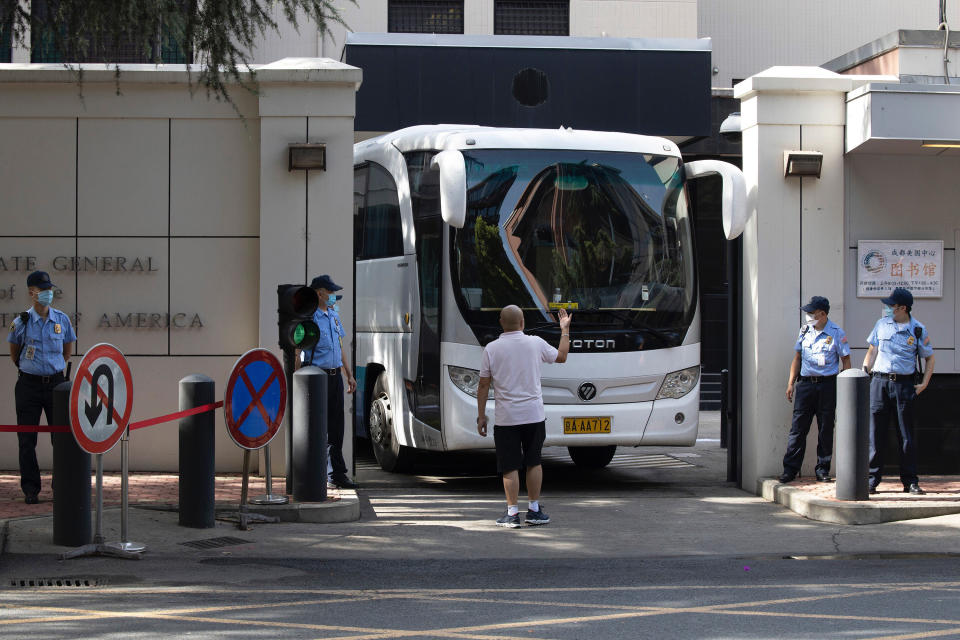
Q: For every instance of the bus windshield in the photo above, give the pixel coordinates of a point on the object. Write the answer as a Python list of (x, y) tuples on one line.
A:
[(606, 235)]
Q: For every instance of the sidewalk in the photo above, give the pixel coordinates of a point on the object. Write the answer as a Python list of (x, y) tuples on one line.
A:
[(817, 501), (155, 490)]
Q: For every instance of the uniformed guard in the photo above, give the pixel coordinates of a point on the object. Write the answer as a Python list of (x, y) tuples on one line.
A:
[(897, 343), (821, 352), (41, 341), (328, 355)]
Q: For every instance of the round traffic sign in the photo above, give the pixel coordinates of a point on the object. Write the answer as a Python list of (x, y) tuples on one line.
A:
[(101, 399), (255, 399)]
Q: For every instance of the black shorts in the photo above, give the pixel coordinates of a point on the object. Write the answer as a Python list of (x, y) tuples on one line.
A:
[(518, 445)]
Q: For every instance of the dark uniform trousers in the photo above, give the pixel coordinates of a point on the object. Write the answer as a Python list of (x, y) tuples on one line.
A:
[(32, 395), (335, 423), (892, 399), (812, 398)]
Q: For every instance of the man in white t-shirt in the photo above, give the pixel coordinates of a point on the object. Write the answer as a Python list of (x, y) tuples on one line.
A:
[(512, 363)]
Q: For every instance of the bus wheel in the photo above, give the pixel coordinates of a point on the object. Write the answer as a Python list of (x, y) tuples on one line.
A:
[(592, 457), (391, 455)]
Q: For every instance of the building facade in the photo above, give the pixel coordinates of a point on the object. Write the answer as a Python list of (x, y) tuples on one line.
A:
[(166, 221)]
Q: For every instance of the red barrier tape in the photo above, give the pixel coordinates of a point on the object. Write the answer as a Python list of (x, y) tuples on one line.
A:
[(173, 416), (23, 428)]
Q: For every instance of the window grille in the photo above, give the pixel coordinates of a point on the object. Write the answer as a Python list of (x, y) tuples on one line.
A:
[(6, 42), (532, 17), (163, 49), (425, 16)]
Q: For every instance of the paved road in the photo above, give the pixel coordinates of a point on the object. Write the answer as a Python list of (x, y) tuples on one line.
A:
[(657, 546)]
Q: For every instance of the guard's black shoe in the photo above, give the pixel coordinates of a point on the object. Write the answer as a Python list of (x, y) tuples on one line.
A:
[(823, 477), (786, 477), (873, 489), (32, 499), (343, 482), (914, 489)]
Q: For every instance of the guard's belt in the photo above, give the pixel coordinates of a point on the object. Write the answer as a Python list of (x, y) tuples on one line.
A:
[(816, 378), (893, 376), (56, 377)]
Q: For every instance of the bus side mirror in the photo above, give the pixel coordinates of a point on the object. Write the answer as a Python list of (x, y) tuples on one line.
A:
[(453, 186), (734, 199)]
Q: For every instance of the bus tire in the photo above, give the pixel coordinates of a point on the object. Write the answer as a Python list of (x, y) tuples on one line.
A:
[(391, 455), (592, 457)]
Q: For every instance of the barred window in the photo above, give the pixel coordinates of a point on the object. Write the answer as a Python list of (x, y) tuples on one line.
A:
[(425, 16), (163, 49), (6, 42), (532, 17)]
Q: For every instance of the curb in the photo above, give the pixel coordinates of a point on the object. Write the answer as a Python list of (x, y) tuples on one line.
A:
[(346, 509), (814, 507)]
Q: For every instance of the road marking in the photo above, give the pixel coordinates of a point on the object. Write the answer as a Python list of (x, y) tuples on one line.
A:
[(478, 596)]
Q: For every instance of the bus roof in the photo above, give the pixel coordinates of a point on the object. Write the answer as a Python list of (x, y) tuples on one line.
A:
[(455, 136)]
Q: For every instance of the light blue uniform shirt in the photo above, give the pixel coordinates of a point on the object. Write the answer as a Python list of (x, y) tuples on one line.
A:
[(897, 348), (41, 341), (326, 354), (820, 351)]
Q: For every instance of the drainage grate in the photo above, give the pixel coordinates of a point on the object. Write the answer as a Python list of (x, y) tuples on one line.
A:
[(72, 583), (215, 543)]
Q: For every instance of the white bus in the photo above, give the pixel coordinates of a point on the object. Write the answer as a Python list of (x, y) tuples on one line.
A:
[(452, 223)]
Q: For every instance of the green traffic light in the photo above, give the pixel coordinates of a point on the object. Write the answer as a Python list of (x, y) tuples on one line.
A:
[(298, 333)]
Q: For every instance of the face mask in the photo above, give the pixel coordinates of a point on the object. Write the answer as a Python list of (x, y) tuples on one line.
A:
[(809, 319), (887, 311), (45, 297)]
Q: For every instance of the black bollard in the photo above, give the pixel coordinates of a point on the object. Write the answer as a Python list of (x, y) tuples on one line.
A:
[(197, 454), (309, 421), (852, 451), (71, 478)]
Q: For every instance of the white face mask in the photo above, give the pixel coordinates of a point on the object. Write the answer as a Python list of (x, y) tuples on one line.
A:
[(809, 319)]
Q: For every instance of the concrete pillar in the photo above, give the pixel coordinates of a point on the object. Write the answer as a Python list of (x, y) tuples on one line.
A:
[(306, 218), (793, 246)]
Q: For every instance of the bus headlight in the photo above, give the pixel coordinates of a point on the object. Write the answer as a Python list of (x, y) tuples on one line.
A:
[(679, 383), (467, 380)]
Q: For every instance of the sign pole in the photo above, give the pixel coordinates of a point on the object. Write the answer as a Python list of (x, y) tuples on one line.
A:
[(98, 521), (125, 544), (101, 400), (98, 548), (254, 404), (269, 497)]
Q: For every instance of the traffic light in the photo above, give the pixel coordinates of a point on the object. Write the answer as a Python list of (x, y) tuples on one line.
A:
[(295, 307)]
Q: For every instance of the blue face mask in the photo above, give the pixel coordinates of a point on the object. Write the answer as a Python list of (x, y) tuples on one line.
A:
[(887, 311), (45, 297)]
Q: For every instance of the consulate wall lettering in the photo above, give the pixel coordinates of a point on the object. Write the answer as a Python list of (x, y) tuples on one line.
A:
[(22, 265)]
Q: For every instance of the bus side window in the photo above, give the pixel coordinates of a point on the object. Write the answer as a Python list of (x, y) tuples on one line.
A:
[(376, 206), (359, 204)]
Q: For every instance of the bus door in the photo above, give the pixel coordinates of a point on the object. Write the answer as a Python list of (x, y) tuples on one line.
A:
[(428, 231)]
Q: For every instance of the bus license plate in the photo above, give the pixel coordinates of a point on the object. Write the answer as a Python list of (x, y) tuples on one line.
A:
[(573, 426)]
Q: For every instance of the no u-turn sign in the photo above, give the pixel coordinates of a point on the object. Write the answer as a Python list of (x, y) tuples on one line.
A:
[(101, 399)]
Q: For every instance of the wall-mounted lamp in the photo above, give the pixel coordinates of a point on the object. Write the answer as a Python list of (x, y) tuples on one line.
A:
[(307, 156), (941, 144), (802, 163)]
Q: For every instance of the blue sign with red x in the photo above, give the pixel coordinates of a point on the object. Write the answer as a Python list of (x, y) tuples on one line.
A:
[(255, 399)]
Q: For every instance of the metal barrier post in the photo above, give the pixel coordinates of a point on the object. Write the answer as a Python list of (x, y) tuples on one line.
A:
[(852, 452), (125, 544), (309, 422), (71, 478), (197, 453)]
